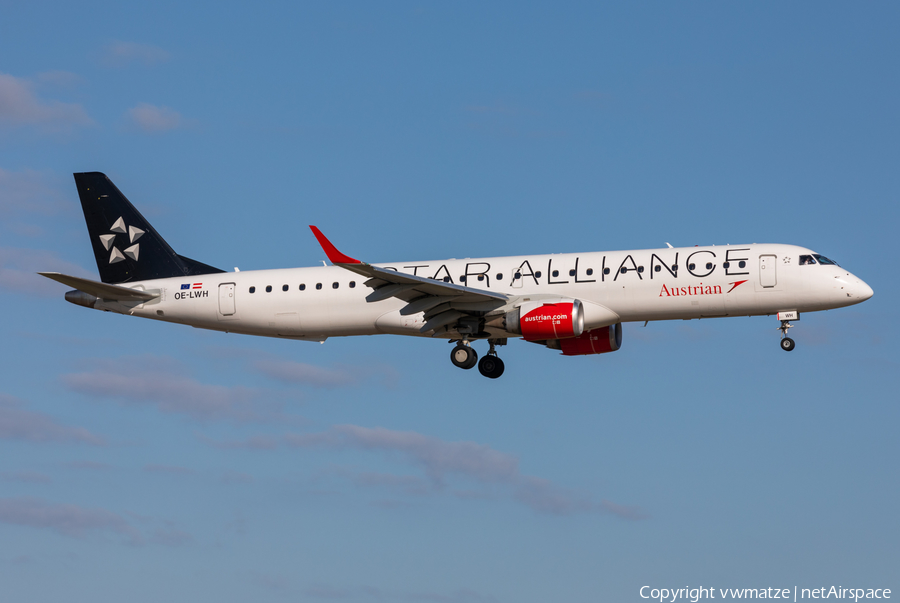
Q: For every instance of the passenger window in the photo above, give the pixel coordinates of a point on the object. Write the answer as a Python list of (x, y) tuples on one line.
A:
[(555, 273), (284, 287), (624, 270), (446, 279), (481, 277), (674, 267), (499, 276), (352, 284), (303, 287), (726, 265), (462, 279), (268, 288), (590, 271), (252, 289), (538, 274), (742, 264), (709, 265), (318, 286), (518, 275), (690, 266), (571, 273), (335, 285), (606, 271), (657, 268), (640, 268)]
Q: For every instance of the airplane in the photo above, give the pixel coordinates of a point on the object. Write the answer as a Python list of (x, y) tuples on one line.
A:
[(571, 302)]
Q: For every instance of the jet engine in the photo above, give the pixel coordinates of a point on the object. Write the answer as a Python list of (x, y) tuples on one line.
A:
[(537, 321), (595, 341)]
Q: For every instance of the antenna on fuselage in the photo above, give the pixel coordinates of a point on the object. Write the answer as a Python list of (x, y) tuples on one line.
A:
[(669, 245)]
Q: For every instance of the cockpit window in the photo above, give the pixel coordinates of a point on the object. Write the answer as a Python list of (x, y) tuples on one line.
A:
[(806, 259), (823, 260)]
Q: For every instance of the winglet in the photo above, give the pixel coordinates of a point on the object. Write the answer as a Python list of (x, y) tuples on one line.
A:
[(331, 251)]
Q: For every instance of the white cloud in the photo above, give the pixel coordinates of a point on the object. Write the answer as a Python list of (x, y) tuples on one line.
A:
[(25, 477), (159, 382), (69, 520), (16, 423), (170, 469), (120, 53), (20, 106), (61, 79), (28, 191), (251, 443), (78, 522), (623, 511), (153, 119), (19, 268), (88, 466), (441, 459), (438, 457), (170, 536), (306, 374)]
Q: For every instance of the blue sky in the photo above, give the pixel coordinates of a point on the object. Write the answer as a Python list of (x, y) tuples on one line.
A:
[(148, 462)]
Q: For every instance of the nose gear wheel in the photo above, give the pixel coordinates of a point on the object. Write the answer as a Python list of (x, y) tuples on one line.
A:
[(787, 344)]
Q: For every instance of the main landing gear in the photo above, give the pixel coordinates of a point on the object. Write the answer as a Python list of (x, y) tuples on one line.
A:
[(465, 357), (787, 344)]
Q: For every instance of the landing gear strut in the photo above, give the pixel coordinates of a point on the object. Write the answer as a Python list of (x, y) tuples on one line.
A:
[(787, 344), (490, 365)]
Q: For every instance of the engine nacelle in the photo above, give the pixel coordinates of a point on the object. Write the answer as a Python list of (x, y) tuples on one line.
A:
[(537, 321), (596, 341)]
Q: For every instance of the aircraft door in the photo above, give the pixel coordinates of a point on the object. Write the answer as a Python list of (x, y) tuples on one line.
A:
[(226, 299), (517, 278), (767, 276)]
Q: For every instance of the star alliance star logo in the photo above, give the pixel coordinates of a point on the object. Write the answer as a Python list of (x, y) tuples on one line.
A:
[(108, 241)]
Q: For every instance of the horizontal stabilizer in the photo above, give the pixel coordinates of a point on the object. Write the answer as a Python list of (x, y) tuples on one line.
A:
[(100, 290)]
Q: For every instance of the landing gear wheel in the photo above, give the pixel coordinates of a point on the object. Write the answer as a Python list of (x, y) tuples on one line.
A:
[(787, 344), (491, 366), (463, 356)]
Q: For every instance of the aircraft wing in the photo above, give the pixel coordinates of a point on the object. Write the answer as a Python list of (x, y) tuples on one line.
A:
[(431, 296), (100, 290)]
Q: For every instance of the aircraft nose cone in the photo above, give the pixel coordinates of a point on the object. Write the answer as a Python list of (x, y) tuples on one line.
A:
[(864, 291)]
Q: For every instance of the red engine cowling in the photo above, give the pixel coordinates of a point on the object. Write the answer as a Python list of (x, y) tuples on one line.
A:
[(597, 341), (537, 321)]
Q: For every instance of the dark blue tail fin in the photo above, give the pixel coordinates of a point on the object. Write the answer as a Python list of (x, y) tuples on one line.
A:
[(126, 247)]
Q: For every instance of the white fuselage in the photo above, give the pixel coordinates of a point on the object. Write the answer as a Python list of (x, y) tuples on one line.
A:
[(617, 286)]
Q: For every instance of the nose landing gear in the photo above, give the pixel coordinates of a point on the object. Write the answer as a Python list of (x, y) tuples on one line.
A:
[(787, 344), (465, 357)]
